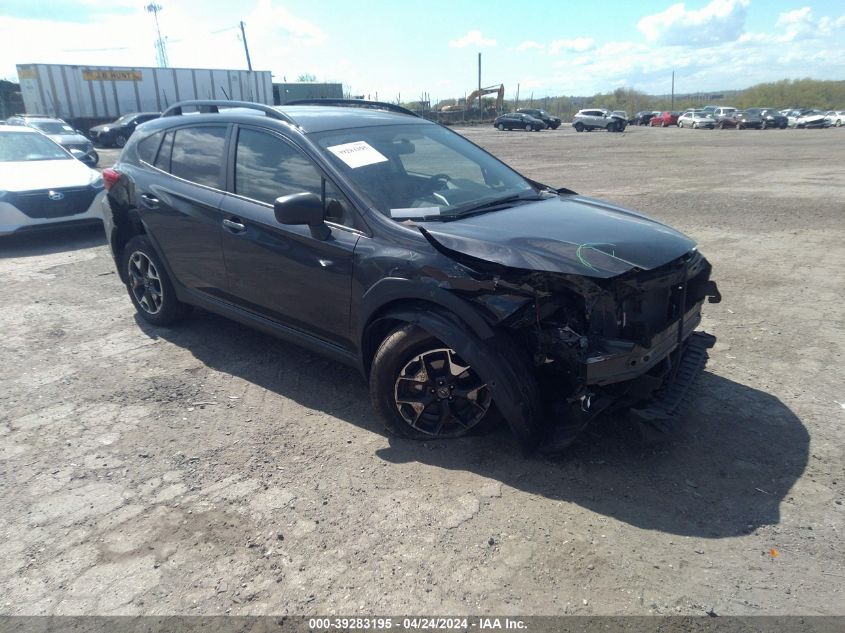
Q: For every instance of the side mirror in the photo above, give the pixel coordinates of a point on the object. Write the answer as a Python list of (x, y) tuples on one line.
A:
[(303, 208)]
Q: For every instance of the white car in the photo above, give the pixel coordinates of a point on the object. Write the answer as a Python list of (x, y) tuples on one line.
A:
[(42, 184), (811, 119), (696, 119), (598, 120), (836, 117)]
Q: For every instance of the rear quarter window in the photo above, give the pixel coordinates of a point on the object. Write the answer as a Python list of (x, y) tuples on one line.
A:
[(148, 147)]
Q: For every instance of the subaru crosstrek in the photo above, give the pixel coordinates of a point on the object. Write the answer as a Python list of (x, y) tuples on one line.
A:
[(463, 291)]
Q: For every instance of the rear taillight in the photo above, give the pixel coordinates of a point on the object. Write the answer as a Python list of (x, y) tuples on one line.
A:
[(110, 177)]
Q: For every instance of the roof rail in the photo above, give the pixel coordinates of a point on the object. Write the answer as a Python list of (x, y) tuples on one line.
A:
[(355, 103), (214, 105)]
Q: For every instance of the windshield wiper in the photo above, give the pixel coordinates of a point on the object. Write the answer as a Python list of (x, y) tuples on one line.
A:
[(493, 205)]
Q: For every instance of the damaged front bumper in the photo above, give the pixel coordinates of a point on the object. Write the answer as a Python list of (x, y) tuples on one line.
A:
[(616, 360)]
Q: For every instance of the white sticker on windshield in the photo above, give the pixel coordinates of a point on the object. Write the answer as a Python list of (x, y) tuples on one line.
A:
[(414, 212), (357, 154)]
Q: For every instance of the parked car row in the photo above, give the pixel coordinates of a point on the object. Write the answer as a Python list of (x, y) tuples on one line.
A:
[(708, 117), (59, 131)]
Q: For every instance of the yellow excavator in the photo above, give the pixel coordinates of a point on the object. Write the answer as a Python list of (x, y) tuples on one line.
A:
[(500, 96)]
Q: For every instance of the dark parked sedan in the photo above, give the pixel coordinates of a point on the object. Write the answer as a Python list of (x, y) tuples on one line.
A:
[(518, 121), (552, 122), (116, 133), (642, 117), (769, 118), (748, 119), (461, 290)]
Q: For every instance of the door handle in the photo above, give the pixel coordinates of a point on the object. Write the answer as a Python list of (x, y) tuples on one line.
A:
[(151, 201), (234, 225)]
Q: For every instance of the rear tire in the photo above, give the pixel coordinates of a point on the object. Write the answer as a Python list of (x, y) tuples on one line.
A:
[(424, 391), (149, 287), (120, 140), (681, 124), (579, 127)]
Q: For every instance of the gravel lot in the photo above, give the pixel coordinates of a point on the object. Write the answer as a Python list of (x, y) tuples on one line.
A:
[(211, 469)]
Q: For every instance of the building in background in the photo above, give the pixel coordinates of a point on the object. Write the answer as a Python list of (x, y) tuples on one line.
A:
[(286, 92), (87, 95)]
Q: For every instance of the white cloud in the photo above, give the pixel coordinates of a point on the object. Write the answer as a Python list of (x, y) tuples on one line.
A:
[(719, 21), (530, 44), (472, 38), (579, 44), (794, 17)]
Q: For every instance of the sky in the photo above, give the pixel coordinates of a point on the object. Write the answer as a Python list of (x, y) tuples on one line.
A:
[(395, 49)]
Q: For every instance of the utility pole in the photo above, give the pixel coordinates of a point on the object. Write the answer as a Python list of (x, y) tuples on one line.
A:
[(161, 51), (480, 106), (673, 90), (246, 47), (517, 97)]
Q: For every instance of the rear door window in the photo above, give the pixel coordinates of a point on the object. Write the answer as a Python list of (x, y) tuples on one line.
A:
[(198, 154)]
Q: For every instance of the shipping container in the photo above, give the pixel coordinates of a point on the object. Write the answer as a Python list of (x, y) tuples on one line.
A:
[(103, 93), (285, 92)]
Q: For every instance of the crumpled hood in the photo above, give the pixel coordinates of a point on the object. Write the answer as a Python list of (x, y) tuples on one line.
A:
[(567, 234), (44, 174)]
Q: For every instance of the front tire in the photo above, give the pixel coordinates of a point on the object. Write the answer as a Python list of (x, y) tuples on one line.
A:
[(149, 287), (529, 127), (120, 140), (501, 127), (681, 124), (423, 390)]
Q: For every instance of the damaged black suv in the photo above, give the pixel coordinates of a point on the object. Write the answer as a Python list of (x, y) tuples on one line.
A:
[(463, 291)]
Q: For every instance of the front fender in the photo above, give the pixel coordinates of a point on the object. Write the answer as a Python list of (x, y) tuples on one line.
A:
[(393, 289)]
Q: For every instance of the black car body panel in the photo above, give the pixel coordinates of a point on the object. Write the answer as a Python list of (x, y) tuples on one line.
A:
[(591, 297), (567, 234)]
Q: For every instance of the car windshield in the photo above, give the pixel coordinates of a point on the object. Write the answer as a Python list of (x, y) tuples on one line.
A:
[(52, 127), (26, 146), (421, 170), (124, 119)]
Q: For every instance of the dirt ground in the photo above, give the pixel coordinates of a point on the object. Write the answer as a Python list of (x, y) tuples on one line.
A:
[(211, 469)]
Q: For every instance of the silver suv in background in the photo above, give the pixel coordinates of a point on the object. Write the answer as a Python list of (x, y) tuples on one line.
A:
[(598, 120), (62, 133)]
